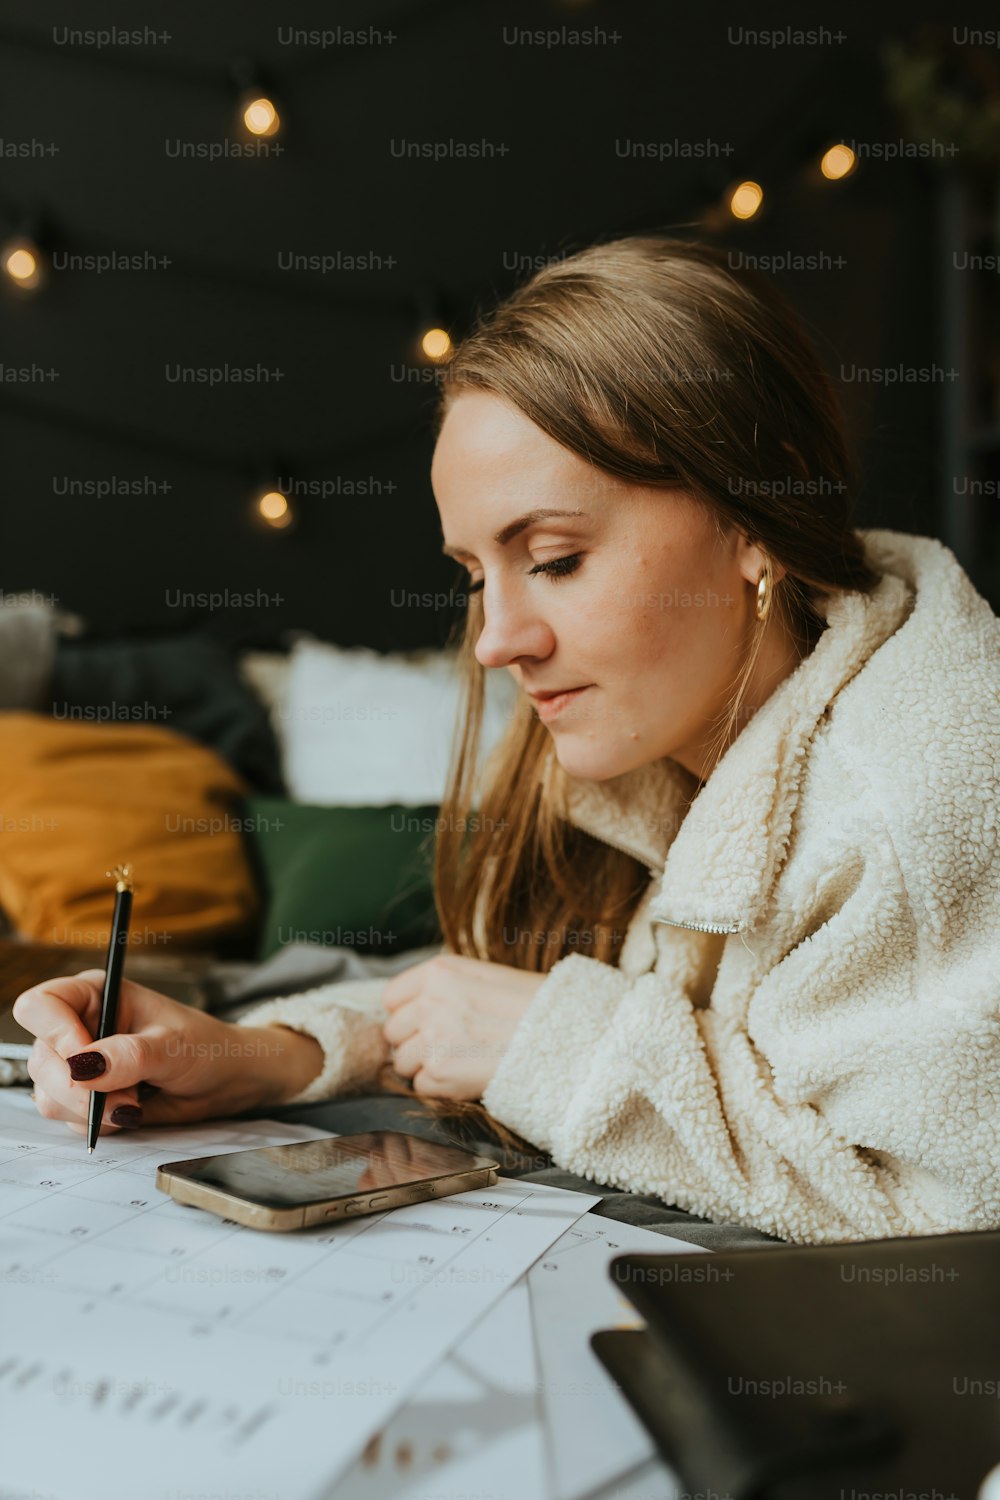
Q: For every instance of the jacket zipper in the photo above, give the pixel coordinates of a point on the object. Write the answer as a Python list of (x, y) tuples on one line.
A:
[(701, 926)]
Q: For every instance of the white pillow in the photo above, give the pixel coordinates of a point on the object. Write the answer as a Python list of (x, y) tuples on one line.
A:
[(359, 729), (266, 673)]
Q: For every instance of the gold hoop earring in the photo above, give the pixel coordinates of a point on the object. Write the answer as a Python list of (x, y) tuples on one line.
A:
[(764, 594)]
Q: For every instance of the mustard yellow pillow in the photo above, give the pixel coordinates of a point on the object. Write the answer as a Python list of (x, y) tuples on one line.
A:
[(77, 798)]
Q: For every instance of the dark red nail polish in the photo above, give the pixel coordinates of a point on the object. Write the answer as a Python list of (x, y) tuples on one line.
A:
[(84, 1065), (127, 1114)]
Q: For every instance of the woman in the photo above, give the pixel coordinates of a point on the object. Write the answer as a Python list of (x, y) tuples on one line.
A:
[(725, 928)]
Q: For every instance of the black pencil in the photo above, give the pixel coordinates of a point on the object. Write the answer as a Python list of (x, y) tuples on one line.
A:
[(122, 876)]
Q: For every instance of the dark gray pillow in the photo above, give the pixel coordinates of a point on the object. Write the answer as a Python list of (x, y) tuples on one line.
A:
[(27, 648), (184, 682)]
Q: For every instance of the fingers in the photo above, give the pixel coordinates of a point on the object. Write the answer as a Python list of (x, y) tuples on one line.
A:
[(403, 988), (115, 1066), (431, 1070), (411, 1056), (423, 1084), (403, 1023), (58, 1098), (64, 1013), (113, 1063), (127, 1058), (433, 1087), (414, 1040), (415, 1060)]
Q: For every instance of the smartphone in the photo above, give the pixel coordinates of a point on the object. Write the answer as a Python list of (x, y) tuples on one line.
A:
[(314, 1182)]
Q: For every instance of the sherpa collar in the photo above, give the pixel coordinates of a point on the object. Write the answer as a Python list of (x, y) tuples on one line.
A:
[(720, 852)]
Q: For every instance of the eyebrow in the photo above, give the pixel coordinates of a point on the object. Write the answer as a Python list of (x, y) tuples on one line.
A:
[(511, 530)]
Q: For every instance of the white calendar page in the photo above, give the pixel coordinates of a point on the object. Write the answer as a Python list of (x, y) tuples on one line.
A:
[(522, 1408), (147, 1347)]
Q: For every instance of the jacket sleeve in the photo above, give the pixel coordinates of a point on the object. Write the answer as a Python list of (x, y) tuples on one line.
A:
[(346, 1019), (851, 1091)]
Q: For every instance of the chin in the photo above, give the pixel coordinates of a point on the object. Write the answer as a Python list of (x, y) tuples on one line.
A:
[(589, 760)]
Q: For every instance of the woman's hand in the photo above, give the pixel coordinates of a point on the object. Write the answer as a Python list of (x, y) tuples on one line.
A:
[(451, 1020), (167, 1064)]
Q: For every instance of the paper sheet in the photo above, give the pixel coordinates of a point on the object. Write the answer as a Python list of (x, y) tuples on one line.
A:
[(593, 1435), (473, 1428), (522, 1409), (147, 1345)]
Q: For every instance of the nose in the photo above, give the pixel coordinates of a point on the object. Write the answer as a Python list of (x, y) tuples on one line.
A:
[(513, 628)]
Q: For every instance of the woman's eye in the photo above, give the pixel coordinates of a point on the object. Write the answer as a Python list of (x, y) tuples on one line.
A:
[(559, 567)]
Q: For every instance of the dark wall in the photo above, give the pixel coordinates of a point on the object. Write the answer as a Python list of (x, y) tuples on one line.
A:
[(458, 231)]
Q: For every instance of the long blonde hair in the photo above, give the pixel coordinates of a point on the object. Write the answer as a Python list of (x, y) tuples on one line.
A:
[(655, 361)]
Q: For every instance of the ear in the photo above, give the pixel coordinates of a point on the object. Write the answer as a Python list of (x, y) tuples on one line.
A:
[(751, 558)]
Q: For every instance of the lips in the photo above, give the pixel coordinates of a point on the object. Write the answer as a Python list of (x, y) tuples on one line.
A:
[(542, 696), (550, 705)]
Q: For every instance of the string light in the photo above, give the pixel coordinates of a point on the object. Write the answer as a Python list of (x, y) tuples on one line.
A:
[(433, 338), (436, 344), (22, 263), (745, 200), (261, 117), (837, 162), (259, 113), (274, 510)]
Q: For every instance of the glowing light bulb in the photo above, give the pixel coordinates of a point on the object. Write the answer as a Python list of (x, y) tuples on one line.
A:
[(436, 343), (745, 200), (275, 509), (838, 161), (260, 117), (21, 263)]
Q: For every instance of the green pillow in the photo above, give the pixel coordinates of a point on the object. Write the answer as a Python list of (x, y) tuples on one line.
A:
[(360, 877)]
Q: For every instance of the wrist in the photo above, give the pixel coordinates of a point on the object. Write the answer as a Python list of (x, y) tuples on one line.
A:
[(288, 1060)]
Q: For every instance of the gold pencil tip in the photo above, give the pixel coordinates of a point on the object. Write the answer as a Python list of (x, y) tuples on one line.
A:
[(122, 877)]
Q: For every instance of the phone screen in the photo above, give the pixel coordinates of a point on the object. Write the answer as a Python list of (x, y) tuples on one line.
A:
[(312, 1171)]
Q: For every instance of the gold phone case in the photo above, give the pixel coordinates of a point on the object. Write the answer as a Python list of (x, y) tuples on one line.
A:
[(482, 1172)]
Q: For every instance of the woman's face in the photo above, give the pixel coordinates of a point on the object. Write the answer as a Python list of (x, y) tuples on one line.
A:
[(622, 594)]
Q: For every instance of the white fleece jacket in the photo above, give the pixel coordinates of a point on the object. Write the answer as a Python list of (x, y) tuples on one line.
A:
[(803, 1032)]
